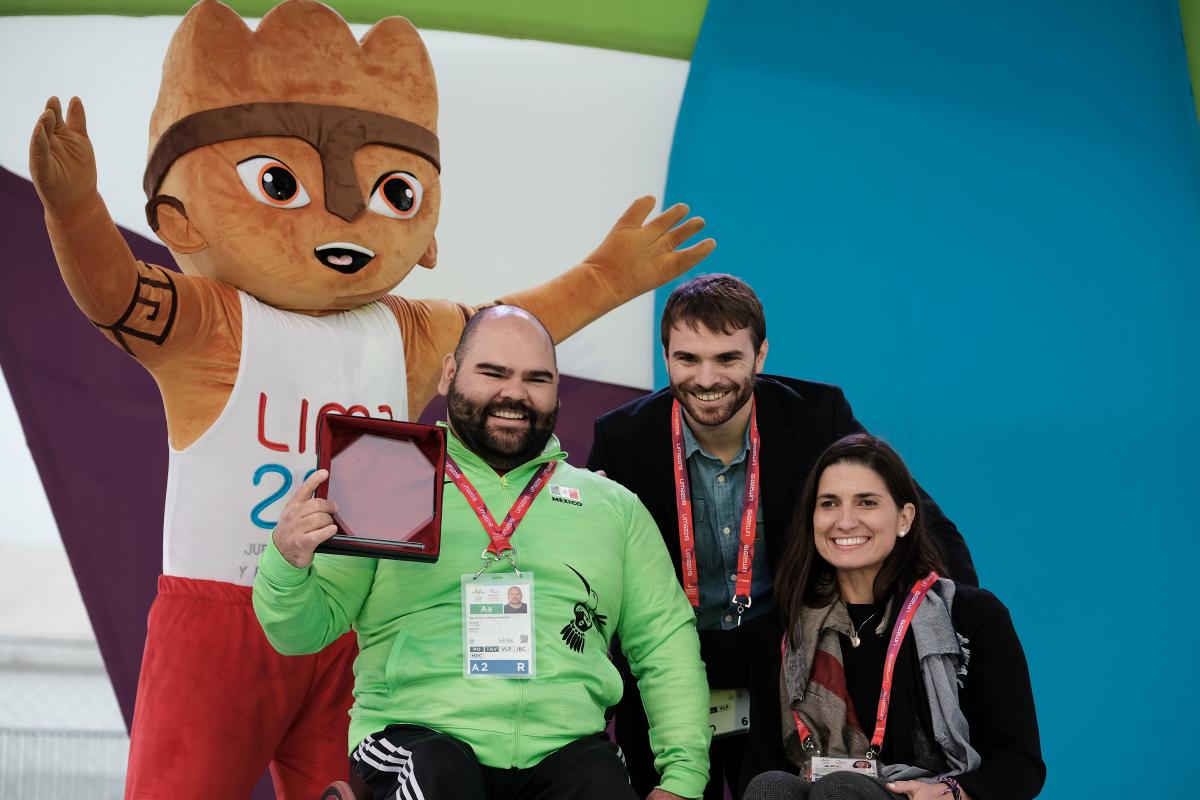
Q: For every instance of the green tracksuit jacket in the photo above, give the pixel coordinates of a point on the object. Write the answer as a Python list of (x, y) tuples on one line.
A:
[(408, 617)]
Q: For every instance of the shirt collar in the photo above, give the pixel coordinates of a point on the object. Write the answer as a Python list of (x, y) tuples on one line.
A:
[(691, 446)]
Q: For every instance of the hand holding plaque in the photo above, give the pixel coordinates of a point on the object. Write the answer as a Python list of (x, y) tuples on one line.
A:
[(385, 481), (305, 523)]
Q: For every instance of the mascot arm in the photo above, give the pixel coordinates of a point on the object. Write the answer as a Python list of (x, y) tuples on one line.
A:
[(151, 312), (634, 258), (186, 330)]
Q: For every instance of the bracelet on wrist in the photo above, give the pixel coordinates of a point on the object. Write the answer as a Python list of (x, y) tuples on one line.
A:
[(952, 787)]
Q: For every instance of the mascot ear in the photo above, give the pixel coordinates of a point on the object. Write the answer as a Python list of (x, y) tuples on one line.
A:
[(428, 259), (176, 230)]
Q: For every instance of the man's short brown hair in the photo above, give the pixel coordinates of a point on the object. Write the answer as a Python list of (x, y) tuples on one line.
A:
[(719, 302)]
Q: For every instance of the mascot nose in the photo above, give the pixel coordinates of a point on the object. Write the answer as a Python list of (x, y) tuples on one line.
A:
[(343, 197), (344, 257), (345, 204)]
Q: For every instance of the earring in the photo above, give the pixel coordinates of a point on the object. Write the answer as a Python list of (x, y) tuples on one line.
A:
[(902, 533)]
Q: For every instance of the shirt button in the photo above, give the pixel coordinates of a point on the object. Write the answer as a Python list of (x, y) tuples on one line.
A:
[(726, 530), (733, 577), (720, 479)]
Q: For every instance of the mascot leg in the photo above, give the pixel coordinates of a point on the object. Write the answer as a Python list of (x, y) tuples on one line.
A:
[(216, 703), (314, 749)]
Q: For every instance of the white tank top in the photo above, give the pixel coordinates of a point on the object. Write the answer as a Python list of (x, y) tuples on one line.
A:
[(226, 490)]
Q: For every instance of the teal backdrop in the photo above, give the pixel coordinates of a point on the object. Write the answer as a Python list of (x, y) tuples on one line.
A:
[(983, 221)]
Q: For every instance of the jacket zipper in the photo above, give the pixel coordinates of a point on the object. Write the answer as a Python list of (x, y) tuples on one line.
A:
[(522, 697), (520, 684)]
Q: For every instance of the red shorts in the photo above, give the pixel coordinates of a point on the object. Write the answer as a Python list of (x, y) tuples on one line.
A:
[(216, 705)]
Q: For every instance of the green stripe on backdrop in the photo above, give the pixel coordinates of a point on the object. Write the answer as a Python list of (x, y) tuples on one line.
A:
[(1189, 17), (656, 27)]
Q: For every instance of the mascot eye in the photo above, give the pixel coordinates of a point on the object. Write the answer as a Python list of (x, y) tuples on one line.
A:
[(271, 182), (397, 195)]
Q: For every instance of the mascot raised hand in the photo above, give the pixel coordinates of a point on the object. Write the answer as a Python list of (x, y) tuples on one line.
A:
[(293, 173)]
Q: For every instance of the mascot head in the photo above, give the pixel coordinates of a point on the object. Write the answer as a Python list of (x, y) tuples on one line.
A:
[(293, 161)]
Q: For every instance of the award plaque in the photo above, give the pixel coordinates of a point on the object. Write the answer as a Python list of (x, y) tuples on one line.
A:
[(386, 478)]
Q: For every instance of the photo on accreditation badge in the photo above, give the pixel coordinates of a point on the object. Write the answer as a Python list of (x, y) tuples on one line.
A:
[(498, 625), (516, 601)]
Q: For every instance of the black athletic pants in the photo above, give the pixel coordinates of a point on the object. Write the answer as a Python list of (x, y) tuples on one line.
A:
[(744, 656), (409, 762), (834, 786)]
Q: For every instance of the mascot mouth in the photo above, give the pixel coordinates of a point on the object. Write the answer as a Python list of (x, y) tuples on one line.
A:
[(344, 257)]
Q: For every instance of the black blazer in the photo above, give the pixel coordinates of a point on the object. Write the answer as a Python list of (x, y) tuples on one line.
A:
[(797, 420)]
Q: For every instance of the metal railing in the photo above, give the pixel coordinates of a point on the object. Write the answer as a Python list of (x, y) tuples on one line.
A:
[(37, 764), (61, 733)]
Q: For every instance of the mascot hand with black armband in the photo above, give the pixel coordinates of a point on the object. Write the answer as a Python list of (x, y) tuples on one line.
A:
[(293, 173)]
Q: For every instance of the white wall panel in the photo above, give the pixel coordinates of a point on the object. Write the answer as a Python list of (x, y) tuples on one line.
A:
[(543, 144)]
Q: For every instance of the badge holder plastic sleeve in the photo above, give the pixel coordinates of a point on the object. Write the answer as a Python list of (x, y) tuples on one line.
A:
[(478, 665), (377, 516), (729, 712)]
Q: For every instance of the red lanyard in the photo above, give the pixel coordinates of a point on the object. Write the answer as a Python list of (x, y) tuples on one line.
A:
[(683, 513), (903, 620), (500, 534)]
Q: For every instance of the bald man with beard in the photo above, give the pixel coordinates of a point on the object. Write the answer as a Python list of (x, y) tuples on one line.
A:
[(426, 721)]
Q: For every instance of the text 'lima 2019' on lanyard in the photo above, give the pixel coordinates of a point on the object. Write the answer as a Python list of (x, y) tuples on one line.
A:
[(683, 515), (500, 547)]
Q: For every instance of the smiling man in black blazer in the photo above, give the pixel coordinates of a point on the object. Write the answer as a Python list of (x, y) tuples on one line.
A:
[(715, 344)]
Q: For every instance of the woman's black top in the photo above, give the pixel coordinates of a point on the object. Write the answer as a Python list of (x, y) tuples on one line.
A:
[(996, 697)]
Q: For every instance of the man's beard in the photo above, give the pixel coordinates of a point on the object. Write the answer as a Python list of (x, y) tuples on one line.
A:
[(502, 451), (709, 414)]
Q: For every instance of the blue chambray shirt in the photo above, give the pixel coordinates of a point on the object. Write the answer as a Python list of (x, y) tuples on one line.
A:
[(717, 491)]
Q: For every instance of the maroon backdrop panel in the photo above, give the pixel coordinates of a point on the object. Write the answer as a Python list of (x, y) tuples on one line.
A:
[(94, 423)]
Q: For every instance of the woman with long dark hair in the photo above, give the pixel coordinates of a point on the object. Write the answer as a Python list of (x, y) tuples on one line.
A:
[(894, 682)]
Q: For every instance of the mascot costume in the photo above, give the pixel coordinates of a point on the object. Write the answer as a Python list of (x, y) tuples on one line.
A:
[(293, 172)]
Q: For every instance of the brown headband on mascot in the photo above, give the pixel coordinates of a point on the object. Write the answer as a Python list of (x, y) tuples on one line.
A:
[(294, 175)]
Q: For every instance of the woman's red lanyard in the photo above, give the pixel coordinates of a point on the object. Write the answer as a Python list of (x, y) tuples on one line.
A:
[(683, 513), (903, 620), (500, 535)]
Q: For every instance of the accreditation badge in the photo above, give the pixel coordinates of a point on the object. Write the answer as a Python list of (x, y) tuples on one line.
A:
[(498, 625), (823, 765), (728, 711)]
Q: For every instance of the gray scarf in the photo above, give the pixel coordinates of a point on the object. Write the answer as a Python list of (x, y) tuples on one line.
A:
[(822, 704)]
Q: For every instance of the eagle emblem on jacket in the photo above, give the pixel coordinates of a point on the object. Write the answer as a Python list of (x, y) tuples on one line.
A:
[(574, 633)]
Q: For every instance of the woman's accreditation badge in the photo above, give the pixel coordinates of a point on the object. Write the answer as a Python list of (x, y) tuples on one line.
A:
[(823, 765), (498, 625)]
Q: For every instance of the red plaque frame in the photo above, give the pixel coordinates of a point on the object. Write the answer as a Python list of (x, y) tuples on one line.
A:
[(377, 469)]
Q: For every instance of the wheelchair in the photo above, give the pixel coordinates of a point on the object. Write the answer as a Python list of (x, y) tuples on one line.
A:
[(341, 790)]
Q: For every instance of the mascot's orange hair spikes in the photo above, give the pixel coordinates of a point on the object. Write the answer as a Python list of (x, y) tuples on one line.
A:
[(299, 50), (204, 99), (294, 174)]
